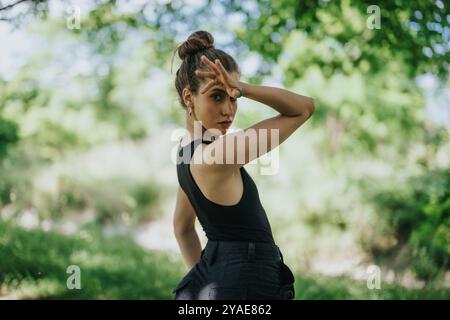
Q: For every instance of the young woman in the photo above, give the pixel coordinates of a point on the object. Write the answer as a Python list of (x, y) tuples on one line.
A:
[(240, 259)]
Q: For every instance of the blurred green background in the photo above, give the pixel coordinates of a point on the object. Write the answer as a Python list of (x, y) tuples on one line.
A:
[(88, 109)]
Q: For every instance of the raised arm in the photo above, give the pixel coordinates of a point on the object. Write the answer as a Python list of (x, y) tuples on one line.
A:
[(242, 147)]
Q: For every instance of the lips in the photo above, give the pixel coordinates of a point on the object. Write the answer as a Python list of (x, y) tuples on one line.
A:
[(225, 124)]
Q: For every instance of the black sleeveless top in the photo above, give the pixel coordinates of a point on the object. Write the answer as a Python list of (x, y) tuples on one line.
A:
[(244, 221)]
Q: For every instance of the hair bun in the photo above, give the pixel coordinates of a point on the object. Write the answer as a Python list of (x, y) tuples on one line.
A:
[(197, 41)]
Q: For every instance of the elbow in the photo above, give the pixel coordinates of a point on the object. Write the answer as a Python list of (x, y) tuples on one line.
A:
[(181, 231), (177, 230)]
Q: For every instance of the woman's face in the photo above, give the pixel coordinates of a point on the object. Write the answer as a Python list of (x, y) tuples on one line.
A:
[(215, 108)]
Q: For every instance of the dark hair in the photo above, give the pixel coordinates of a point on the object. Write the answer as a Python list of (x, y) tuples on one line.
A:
[(198, 43)]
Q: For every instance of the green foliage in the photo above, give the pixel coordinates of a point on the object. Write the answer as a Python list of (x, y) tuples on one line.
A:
[(419, 217), (33, 265), (415, 33), (54, 139), (8, 135), (406, 29), (317, 287), (6, 186), (113, 201)]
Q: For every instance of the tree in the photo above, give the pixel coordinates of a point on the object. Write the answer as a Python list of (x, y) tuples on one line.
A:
[(415, 33)]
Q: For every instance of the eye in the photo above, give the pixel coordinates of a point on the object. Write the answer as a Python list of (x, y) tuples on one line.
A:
[(214, 96)]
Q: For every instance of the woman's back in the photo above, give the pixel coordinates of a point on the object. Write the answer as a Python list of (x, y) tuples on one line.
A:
[(244, 221)]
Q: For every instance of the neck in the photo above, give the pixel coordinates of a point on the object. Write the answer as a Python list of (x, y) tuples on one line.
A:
[(190, 129)]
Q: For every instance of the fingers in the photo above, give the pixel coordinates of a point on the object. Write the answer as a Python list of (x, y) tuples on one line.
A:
[(211, 65), (209, 85), (221, 68), (205, 74), (233, 93)]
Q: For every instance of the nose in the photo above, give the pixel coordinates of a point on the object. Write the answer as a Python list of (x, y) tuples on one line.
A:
[(227, 109)]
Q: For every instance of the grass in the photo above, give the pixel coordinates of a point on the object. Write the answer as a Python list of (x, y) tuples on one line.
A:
[(318, 287), (33, 265)]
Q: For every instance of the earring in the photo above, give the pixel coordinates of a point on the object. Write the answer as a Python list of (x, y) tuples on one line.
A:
[(190, 111)]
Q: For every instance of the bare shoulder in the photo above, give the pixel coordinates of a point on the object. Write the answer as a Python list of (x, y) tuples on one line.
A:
[(206, 160)]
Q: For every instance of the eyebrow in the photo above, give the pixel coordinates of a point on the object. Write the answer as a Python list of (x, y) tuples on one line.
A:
[(217, 90)]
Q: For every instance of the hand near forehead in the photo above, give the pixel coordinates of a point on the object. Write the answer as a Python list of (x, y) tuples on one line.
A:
[(218, 76)]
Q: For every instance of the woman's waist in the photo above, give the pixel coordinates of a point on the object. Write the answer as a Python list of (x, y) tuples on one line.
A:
[(245, 250)]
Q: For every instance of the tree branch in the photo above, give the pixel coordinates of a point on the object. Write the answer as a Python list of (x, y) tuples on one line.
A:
[(12, 5)]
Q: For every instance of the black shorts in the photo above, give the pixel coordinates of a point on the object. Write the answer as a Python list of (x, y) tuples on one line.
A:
[(238, 270)]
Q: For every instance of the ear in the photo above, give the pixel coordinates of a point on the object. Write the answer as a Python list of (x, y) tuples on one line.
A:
[(187, 96)]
